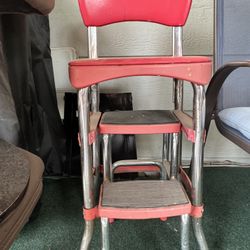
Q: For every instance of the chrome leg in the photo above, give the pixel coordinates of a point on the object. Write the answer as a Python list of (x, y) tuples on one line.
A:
[(110, 158), (174, 156), (86, 162), (88, 232), (179, 106), (96, 165), (178, 84), (105, 233), (185, 226), (197, 159), (106, 157), (165, 153), (165, 147), (160, 165), (170, 146), (199, 234), (96, 145)]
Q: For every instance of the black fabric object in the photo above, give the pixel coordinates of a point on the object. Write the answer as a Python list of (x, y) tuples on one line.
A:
[(123, 146), (26, 42), (26, 6), (70, 121), (16, 6), (9, 125)]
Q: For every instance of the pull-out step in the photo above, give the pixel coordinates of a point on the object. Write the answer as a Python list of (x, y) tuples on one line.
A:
[(139, 122), (143, 199)]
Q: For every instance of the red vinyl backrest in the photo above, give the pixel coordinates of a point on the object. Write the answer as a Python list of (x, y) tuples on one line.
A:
[(103, 12)]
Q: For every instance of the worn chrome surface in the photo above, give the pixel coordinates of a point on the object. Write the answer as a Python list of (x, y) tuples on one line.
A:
[(88, 232), (95, 99), (106, 157), (160, 165), (197, 153), (86, 158), (96, 143), (174, 156), (105, 233), (197, 159), (177, 41), (178, 84), (185, 226), (199, 234), (177, 51), (165, 147), (92, 42)]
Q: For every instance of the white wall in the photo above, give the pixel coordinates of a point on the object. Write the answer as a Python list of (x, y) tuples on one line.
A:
[(67, 30)]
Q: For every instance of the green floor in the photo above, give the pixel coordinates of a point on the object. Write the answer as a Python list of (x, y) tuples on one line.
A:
[(59, 224)]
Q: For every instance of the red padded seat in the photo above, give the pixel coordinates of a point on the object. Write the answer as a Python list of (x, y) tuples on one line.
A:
[(86, 72)]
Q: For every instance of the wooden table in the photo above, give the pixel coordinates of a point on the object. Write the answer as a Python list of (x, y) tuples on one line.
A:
[(14, 177)]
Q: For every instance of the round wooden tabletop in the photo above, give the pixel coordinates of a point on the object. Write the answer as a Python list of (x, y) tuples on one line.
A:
[(14, 177)]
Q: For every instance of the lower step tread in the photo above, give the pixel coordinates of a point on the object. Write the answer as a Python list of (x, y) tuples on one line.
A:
[(143, 194)]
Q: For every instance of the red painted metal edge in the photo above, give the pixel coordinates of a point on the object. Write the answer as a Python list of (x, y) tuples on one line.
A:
[(92, 137), (90, 214), (190, 134), (139, 129), (84, 76), (197, 211), (136, 169), (144, 213)]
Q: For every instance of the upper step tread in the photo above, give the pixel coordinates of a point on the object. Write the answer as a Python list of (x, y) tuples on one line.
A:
[(139, 117)]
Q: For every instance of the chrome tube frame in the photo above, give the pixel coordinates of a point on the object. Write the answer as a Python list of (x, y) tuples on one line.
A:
[(95, 101), (177, 41), (106, 157), (92, 47), (86, 163), (96, 143), (105, 233), (199, 234), (160, 165), (165, 147), (86, 159), (197, 153), (185, 226), (178, 84), (177, 51), (199, 102), (92, 42), (174, 169), (87, 236)]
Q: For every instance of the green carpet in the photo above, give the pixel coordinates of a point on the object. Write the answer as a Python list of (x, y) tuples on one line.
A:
[(59, 223)]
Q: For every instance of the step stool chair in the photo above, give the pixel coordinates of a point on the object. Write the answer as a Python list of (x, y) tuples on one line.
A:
[(140, 199)]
